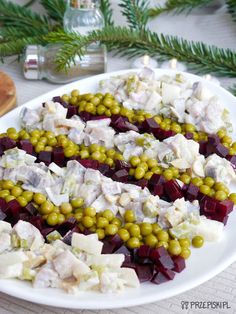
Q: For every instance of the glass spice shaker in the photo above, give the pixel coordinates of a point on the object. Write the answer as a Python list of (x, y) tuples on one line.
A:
[(39, 63), (83, 16)]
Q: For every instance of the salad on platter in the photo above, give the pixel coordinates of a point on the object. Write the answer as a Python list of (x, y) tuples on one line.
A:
[(104, 191)]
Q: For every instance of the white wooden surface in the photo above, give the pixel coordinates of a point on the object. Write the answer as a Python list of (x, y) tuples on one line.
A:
[(215, 29)]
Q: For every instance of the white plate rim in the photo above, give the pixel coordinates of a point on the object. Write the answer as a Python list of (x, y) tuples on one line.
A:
[(19, 293)]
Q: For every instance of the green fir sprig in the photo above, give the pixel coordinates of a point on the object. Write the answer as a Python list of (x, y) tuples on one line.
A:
[(178, 6), (55, 9), (201, 58), (136, 13), (107, 12), (231, 5), (232, 90)]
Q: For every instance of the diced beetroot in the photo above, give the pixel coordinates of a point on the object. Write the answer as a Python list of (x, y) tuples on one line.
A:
[(225, 207), (150, 125), (221, 150), (115, 119), (57, 99), (112, 244), (189, 135), (66, 226), (120, 164), (14, 207), (192, 192), (210, 149), (159, 278), (85, 116), (46, 231), (155, 254), (99, 117), (144, 251), (58, 156), (179, 263), (45, 157), (37, 221), (173, 190), (26, 146), (89, 163), (7, 143), (170, 274), (31, 209), (129, 127), (72, 110), (143, 183), (121, 176), (232, 159), (162, 134), (103, 168), (208, 205), (24, 216), (143, 260), (68, 236), (202, 147), (165, 261), (3, 204), (213, 139), (220, 217), (129, 265), (158, 190), (156, 179), (2, 215), (123, 250), (144, 272)]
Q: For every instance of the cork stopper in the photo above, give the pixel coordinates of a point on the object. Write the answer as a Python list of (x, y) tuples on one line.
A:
[(82, 4)]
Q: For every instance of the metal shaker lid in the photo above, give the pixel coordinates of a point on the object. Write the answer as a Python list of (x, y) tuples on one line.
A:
[(31, 63)]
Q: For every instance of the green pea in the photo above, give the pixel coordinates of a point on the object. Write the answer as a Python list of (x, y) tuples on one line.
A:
[(69, 152), (155, 228), (197, 181), (22, 201), (87, 221), (39, 198), (185, 252), (162, 243), (61, 218), (16, 191), (220, 196), (143, 165), (111, 229), (77, 202), (78, 216), (205, 189), (139, 173), (134, 230), (174, 247), (66, 208), (162, 236), (232, 197), (4, 193), (101, 109), (102, 222), (7, 185), (116, 221), (124, 234), (152, 163), (197, 241), (90, 211), (9, 198), (185, 178), (184, 243), (148, 175), (46, 208), (168, 174), (100, 233), (150, 240), (129, 216), (145, 228), (209, 181), (75, 93), (133, 243), (108, 214), (134, 161), (52, 219)]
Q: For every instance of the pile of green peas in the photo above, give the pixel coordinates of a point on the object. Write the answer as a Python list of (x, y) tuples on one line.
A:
[(105, 104)]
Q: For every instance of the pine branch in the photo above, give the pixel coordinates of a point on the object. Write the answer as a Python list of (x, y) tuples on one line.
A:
[(201, 58), (29, 3), (55, 9), (107, 12), (15, 47), (136, 13), (231, 5), (23, 19), (178, 6), (232, 90)]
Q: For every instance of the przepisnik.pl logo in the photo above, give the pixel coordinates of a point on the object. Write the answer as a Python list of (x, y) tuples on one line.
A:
[(204, 305)]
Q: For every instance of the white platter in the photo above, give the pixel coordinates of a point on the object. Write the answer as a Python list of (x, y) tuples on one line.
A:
[(203, 264)]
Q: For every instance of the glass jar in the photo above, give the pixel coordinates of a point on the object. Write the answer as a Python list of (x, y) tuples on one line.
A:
[(39, 63)]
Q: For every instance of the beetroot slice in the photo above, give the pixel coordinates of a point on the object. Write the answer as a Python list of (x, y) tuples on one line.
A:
[(121, 176), (144, 251), (159, 278), (179, 263), (225, 207), (155, 254), (144, 272), (173, 190), (26, 146), (2, 215), (166, 262)]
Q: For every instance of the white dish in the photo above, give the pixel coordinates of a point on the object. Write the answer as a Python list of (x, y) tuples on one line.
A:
[(203, 264)]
